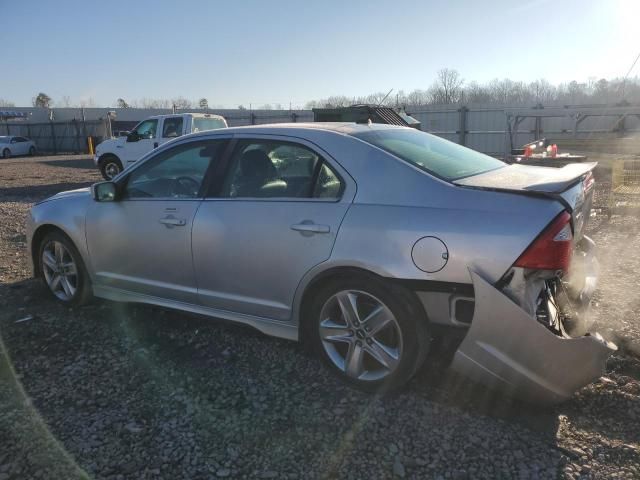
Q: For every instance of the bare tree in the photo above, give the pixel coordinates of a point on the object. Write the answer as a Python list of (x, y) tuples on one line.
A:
[(88, 102), (42, 100), (66, 101), (6, 103), (204, 103), (181, 103), (542, 91), (447, 87), (154, 103), (121, 103)]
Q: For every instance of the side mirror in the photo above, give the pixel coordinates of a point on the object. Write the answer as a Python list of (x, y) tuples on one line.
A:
[(133, 137), (104, 191)]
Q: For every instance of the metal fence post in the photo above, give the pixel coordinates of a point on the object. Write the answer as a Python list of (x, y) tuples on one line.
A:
[(462, 125), (252, 118), (294, 117), (538, 120), (53, 137), (77, 127)]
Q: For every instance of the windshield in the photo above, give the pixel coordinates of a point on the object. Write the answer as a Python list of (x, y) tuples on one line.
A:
[(435, 155), (207, 123)]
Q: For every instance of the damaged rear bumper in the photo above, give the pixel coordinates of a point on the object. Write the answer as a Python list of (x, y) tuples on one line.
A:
[(507, 348)]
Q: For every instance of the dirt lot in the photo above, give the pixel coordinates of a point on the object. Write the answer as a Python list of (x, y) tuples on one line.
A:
[(115, 391)]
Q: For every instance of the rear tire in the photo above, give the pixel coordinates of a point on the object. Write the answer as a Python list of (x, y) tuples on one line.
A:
[(6, 153), (110, 166), (62, 270), (32, 151), (385, 342)]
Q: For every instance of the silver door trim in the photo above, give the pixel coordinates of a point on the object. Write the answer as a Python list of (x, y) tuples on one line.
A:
[(267, 326)]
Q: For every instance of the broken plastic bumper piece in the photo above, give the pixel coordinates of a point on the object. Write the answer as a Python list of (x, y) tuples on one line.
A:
[(507, 348)]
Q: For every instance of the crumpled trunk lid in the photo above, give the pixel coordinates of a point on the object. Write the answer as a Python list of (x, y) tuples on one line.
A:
[(566, 184)]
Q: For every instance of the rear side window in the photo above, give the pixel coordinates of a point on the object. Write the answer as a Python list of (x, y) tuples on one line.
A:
[(435, 155), (172, 127), (277, 169)]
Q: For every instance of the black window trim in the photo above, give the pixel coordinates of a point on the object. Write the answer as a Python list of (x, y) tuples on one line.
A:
[(214, 193), (177, 117), (207, 181)]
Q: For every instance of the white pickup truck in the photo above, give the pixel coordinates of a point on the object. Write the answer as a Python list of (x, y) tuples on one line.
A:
[(115, 154)]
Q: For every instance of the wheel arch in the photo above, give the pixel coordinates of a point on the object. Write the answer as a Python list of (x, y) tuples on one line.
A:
[(320, 279), (105, 156), (36, 240)]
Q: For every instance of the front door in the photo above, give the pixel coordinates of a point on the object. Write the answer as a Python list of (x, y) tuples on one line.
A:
[(275, 216), (140, 141), (142, 242)]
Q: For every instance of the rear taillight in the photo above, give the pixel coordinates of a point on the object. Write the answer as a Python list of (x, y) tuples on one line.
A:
[(588, 182), (552, 249)]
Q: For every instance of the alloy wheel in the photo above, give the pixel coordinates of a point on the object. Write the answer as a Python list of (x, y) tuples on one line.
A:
[(111, 169), (60, 271), (361, 335)]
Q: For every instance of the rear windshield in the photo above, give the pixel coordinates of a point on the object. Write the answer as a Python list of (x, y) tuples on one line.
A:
[(204, 123), (435, 155)]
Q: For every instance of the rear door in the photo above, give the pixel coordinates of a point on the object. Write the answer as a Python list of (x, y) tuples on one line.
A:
[(274, 216), (172, 127), (20, 146)]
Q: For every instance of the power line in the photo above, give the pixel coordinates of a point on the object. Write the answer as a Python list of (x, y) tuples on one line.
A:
[(624, 80)]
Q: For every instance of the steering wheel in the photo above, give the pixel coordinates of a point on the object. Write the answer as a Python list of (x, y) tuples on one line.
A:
[(185, 186)]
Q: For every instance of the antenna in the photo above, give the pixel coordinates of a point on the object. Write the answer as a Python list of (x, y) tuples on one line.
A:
[(385, 97)]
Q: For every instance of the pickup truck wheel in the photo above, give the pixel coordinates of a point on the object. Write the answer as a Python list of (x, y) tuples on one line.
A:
[(110, 166), (6, 153)]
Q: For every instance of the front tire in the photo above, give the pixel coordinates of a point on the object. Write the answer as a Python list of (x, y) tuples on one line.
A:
[(110, 166), (32, 151), (370, 333), (62, 270), (6, 153)]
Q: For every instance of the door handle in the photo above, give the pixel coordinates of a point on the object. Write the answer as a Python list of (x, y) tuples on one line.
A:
[(310, 228), (171, 222)]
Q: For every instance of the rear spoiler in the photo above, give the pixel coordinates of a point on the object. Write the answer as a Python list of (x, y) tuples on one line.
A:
[(527, 178)]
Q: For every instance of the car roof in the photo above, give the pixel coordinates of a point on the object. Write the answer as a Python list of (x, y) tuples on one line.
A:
[(345, 128), (178, 114)]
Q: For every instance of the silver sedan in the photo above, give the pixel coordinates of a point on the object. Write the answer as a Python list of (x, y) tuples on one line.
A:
[(370, 243)]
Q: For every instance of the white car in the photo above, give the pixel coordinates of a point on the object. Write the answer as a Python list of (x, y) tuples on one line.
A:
[(114, 155), (12, 146)]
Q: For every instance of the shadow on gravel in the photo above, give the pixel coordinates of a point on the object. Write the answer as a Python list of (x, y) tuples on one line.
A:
[(111, 374), (37, 192), (84, 163)]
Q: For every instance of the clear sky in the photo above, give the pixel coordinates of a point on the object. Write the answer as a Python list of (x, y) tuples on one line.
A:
[(281, 51)]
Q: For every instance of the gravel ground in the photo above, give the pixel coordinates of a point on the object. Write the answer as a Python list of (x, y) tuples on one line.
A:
[(116, 391)]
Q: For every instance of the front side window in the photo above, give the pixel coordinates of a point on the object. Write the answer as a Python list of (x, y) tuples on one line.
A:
[(435, 155), (176, 173), (172, 127), (147, 129), (277, 169)]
